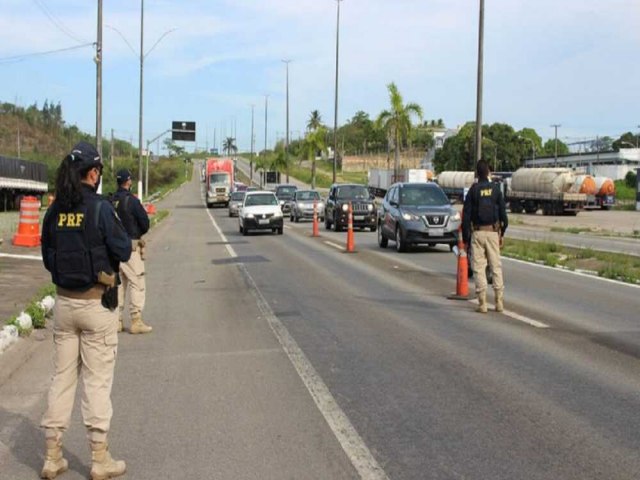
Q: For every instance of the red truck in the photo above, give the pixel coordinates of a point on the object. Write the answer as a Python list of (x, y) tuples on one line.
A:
[(219, 181)]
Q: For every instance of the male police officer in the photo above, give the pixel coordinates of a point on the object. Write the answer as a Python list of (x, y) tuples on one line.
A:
[(136, 223), (83, 243), (484, 222)]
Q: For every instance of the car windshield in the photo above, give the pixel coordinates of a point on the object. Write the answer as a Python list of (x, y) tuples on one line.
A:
[(286, 192), (237, 196), (357, 192), (261, 199), (422, 195), (306, 196), (217, 178)]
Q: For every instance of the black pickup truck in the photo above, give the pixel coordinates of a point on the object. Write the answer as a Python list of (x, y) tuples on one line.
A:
[(362, 204)]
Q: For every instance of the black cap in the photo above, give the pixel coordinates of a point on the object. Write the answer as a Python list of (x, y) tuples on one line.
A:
[(85, 156), (123, 175)]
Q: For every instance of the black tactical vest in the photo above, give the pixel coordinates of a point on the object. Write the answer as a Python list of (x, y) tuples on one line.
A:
[(487, 204), (123, 205), (77, 252)]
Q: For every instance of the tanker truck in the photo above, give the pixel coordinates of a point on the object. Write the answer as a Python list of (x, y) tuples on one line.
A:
[(555, 191), (604, 194), (454, 184)]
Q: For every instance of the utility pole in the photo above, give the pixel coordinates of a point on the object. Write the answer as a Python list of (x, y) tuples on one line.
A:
[(266, 109), (98, 60), (19, 146), (335, 106), (111, 150), (286, 141), (141, 100), (480, 83), (215, 142), (252, 147), (555, 126)]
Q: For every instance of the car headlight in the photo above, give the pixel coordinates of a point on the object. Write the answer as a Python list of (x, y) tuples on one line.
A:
[(370, 207), (278, 214), (409, 216), (455, 217), (345, 207), (320, 205), (281, 202), (249, 215)]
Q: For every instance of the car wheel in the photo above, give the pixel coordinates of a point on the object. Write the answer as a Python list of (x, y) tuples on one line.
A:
[(401, 242), (327, 223), (336, 225), (280, 230), (230, 214), (382, 240), (296, 219), (374, 228)]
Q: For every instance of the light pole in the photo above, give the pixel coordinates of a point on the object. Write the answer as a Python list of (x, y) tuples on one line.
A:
[(335, 106), (555, 126), (286, 141), (638, 138), (252, 146), (479, 85), (98, 60), (266, 118)]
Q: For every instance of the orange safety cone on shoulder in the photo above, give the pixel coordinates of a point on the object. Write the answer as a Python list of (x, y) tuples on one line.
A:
[(150, 208), (350, 239), (28, 234), (316, 229), (462, 277)]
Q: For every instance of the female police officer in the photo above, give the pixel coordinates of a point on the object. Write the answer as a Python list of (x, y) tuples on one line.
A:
[(83, 243)]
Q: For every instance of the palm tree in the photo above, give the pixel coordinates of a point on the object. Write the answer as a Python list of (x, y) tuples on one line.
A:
[(397, 121), (315, 121), (313, 143), (229, 145)]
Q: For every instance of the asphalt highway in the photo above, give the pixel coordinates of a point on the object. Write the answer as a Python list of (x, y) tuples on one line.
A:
[(281, 356)]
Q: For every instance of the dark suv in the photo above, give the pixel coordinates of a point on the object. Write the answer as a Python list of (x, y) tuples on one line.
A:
[(414, 213), (285, 196), (337, 208)]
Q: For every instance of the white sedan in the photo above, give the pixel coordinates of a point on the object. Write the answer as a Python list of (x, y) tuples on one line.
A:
[(260, 211)]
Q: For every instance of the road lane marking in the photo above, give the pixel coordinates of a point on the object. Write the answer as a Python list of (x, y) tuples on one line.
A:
[(21, 257), (350, 440), (334, 245), (287, 227), (516, 316), (229, 248)]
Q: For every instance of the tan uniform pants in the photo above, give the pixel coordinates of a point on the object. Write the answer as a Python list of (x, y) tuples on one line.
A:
[(486, 248), (133, 283), (86, 344)]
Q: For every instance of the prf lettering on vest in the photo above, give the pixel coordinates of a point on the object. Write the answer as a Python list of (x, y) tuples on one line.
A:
[(70, 220), (485, 192)]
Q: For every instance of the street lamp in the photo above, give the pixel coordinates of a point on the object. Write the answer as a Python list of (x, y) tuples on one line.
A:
[(480, 83), (555, 126), (335, 118), (286, 141)]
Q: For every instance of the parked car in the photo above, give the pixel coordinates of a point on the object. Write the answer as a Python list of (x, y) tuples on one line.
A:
[(417, 213), (260, 211), (235, 202), (302, 205), (362, 204), (285, 196)]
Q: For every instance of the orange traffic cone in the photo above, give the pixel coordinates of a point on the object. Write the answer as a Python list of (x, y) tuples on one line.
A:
[(462, 277), (316, 229), (150, 208), (350, 239), (28, 234)]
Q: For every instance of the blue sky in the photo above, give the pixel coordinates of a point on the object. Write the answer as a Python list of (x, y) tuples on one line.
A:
[(572, 62)]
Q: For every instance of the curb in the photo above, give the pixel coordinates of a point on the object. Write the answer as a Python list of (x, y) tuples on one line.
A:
[(21, 352)]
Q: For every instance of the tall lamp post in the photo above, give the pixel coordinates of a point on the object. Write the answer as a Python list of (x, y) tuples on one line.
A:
[(286, 141), (335, 106), (480, 82), (252, 147), (98, 60), (555, 155), (266, 119)]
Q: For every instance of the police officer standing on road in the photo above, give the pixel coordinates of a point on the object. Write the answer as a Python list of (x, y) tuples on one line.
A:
[(136, 223), (83, 243), (484, 222)]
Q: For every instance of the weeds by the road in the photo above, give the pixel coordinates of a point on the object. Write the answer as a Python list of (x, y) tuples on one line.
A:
[(158, 217), (615, 266), (595, 231)]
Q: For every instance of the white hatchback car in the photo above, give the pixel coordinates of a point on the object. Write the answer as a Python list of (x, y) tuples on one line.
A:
[(260, 211)]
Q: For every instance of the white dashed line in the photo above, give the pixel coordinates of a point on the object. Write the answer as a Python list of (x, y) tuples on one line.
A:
[(21, 257), (516, 316), (334, 245)]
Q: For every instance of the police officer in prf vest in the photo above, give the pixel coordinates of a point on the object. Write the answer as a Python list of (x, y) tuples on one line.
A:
[(132, 273), (83, 243), (484, 222)]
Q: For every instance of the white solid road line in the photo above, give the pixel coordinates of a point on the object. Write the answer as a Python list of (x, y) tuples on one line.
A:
[(516, 316), (334, 245), (21, 257), (344, 431)]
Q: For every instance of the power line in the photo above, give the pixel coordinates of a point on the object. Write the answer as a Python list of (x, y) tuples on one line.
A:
[(18, 58), (57, 23)]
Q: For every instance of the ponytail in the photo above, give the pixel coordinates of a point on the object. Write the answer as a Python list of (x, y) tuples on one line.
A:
[(68, 185)]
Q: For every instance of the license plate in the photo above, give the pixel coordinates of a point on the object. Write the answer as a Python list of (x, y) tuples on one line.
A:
[(358, 217), (436, 232), (264, 222)]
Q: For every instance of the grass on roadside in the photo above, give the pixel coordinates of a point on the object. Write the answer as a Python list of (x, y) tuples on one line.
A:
[(615, 266), (158, 217)]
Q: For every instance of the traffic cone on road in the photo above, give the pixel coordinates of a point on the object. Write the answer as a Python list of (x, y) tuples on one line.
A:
[(28, 234), (350, 239), (462, 277), (316, 228)]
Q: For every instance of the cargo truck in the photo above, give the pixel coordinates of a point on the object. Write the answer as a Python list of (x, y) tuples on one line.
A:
[(20, 178), (380, 179), (219, 181), (455, 184)]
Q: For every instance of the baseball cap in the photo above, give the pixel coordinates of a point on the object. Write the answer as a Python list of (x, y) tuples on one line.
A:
[(123, 175), (85, 156)]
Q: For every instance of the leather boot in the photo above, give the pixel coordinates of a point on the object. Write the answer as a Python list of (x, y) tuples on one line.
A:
[(54, 462), (138, 326), (103, 466), (499, 301), (482, 302)]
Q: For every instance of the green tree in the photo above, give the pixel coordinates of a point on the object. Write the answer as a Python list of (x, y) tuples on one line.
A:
[(315, 120), (175, 150), (396, 122), (626, 140), (549, 148), (457, 152), (314, 144), (229, 145)]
